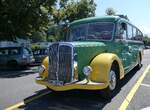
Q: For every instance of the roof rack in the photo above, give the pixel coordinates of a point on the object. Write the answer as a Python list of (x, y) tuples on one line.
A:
[(123, 16)]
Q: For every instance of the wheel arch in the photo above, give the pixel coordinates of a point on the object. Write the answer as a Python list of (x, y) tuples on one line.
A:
[(102, 64)]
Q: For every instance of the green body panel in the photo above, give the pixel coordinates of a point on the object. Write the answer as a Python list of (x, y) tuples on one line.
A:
[(127, 51), (86, 51)]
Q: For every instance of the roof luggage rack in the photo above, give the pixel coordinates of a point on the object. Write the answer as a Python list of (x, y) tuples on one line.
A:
[(123, 16)]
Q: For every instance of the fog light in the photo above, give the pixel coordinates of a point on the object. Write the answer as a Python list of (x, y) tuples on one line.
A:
[(87, 70)]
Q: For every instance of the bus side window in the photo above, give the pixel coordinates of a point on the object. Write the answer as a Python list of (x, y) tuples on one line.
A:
[(130, 32), (122, 31), (139, 36)]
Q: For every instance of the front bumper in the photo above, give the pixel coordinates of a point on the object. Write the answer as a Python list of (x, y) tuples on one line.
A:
[(84, 85)]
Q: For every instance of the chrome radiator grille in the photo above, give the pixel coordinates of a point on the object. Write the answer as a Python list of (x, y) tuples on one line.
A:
[(60, 63)]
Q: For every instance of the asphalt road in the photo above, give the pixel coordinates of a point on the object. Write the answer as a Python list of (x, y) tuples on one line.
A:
[(18, 86), (15, 86), (141, 100)]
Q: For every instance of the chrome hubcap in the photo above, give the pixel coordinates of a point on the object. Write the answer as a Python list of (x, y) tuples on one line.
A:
[(112, 80)]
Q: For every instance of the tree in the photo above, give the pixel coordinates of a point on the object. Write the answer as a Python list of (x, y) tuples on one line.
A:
[(110, 11), (70, 10), (23, 17), (67, 11), (146, 40), (38, 37)]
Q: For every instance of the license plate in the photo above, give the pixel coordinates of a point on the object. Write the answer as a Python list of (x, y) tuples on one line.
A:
[(54, 82)]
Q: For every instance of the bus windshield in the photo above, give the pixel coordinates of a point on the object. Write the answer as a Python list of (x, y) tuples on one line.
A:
[(91, 31)]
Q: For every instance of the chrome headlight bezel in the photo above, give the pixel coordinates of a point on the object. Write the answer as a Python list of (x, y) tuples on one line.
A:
[(87, 70), (41, 69)]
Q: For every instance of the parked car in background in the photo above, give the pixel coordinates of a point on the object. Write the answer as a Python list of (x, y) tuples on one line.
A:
[(40, 51), (16, 56), (39, 54), (147, 46)]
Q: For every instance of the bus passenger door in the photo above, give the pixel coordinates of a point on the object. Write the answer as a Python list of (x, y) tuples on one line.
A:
[(125, 49)]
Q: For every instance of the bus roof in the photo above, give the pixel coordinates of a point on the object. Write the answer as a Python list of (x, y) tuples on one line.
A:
[(98, 19)]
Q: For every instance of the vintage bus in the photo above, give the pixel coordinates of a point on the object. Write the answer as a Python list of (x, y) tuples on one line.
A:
[(96, 55)]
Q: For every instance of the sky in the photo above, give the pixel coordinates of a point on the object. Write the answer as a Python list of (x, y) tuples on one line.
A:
[(138, 11)]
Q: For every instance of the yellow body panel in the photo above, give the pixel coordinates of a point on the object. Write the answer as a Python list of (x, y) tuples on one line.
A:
[(97, 80), (101, 66), (45, 63), (83, 85)]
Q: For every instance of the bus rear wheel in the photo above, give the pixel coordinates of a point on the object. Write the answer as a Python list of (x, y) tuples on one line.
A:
[(139, 65)]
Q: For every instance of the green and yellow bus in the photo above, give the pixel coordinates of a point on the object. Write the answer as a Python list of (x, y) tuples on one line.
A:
[(97, 54)]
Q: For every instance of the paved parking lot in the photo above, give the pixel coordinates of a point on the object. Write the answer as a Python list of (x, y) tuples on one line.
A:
[(16, 85), (19, 90), (141, 99)]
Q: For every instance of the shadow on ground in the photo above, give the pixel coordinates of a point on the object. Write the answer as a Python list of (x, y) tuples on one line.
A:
[(13, 73), (73, 100)]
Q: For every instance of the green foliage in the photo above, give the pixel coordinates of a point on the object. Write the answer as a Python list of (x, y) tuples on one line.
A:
[(57, 33), (38, 37), (110, 11), (22, 17), (27, 17), (35, 46), (70, 10), (146, 40), (67, 11)]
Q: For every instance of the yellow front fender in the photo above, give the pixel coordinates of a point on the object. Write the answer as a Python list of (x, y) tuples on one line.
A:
[(101, 66), (45, 63)]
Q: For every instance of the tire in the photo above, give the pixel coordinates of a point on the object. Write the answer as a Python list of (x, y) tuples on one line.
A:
[(12, 64), (139, 65), (109, 92)]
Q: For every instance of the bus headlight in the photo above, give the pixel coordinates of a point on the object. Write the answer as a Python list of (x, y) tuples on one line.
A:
[(87, 70), (41, 69)]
